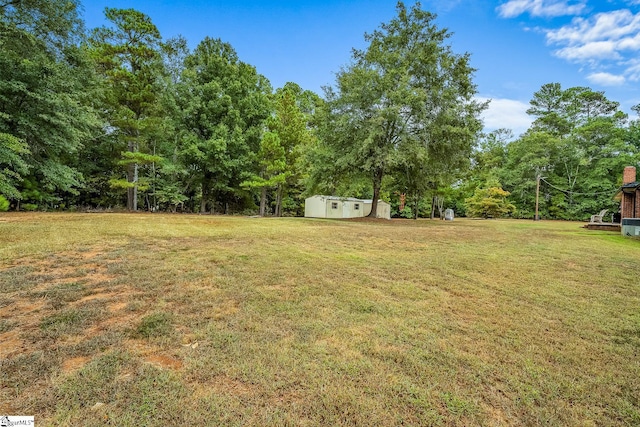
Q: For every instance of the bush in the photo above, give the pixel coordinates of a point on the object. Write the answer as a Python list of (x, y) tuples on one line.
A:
[(490, 202), (4, 204)]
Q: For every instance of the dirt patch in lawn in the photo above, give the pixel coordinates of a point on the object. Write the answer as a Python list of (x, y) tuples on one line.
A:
[(74, 363), (164, 361), (59, 301)]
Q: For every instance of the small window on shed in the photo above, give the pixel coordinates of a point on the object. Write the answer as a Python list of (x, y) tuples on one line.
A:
[(334, 205), (356, 207)]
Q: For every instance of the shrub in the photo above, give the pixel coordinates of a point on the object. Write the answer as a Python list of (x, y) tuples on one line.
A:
[(490, 202)]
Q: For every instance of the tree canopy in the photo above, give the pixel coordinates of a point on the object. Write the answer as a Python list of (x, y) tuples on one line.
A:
[(118, 117), (404, 106)]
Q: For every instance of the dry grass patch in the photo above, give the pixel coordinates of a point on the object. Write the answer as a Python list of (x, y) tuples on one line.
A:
[(177, 319)]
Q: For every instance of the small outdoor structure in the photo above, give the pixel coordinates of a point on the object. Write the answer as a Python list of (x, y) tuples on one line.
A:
[(343, 207), (629, 196), (383, 210), (448, 215)]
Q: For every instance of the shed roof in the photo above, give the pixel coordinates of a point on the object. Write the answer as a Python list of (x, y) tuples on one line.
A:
[(349, 199)]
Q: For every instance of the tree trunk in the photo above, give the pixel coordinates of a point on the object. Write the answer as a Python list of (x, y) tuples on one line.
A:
[(377, 184), (205, 195), (135, 187), (130, 179), (433, 207), (263, 201), (279, 201)]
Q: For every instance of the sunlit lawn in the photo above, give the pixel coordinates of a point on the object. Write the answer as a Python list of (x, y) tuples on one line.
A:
[(139, 319)]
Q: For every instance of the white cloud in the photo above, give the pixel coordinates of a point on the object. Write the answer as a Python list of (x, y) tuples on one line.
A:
[(633, 70), (608, 39), (545, 8), (606, 79), (506, 113), (610, 26), (630, 43), (589, 51)]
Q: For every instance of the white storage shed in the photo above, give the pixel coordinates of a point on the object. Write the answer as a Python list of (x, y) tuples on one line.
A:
[(342, 207), (383, 211)]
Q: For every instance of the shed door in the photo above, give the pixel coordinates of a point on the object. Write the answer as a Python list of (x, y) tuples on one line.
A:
[(346, 210)]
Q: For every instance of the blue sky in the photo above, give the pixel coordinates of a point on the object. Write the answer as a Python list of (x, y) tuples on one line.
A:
[(515, 45)]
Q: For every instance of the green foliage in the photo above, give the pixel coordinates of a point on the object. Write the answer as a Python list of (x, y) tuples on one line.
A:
[(44, 81), (12, 163), (282, 145), (55, 21), (204, 130), (128, 56), (404, 106), (579, 144), (407, 212), (29, 207), (171, 194), (224, 103), (490, 202), (4, 204), (139, 158), (68, 321)]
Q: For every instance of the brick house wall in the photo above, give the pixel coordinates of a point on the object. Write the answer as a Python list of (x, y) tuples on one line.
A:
[(630, 202)]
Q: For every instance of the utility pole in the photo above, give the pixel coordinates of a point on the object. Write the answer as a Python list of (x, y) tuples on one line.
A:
[(537, 217)]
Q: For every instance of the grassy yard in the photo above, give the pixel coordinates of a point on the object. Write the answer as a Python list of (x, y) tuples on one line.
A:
[(128, 319)]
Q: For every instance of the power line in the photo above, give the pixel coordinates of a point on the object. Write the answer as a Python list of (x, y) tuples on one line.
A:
[(568, 192)]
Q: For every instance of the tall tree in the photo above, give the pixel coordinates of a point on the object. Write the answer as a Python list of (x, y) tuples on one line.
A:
[(46, 113), (579, 144), (55, 22), (12, 164), (128, 56), (548, 106), (224, 103), (406, 96), (272, 172), (290, 125)]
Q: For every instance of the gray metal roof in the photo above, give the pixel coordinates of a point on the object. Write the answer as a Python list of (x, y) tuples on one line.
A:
[(349, 199)]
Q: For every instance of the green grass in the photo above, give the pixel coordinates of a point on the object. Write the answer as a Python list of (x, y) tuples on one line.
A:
[(186, 319), (155, 325)]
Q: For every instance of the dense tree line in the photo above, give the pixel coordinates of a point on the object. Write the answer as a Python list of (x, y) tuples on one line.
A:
[(119, 117), (577, 146)]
